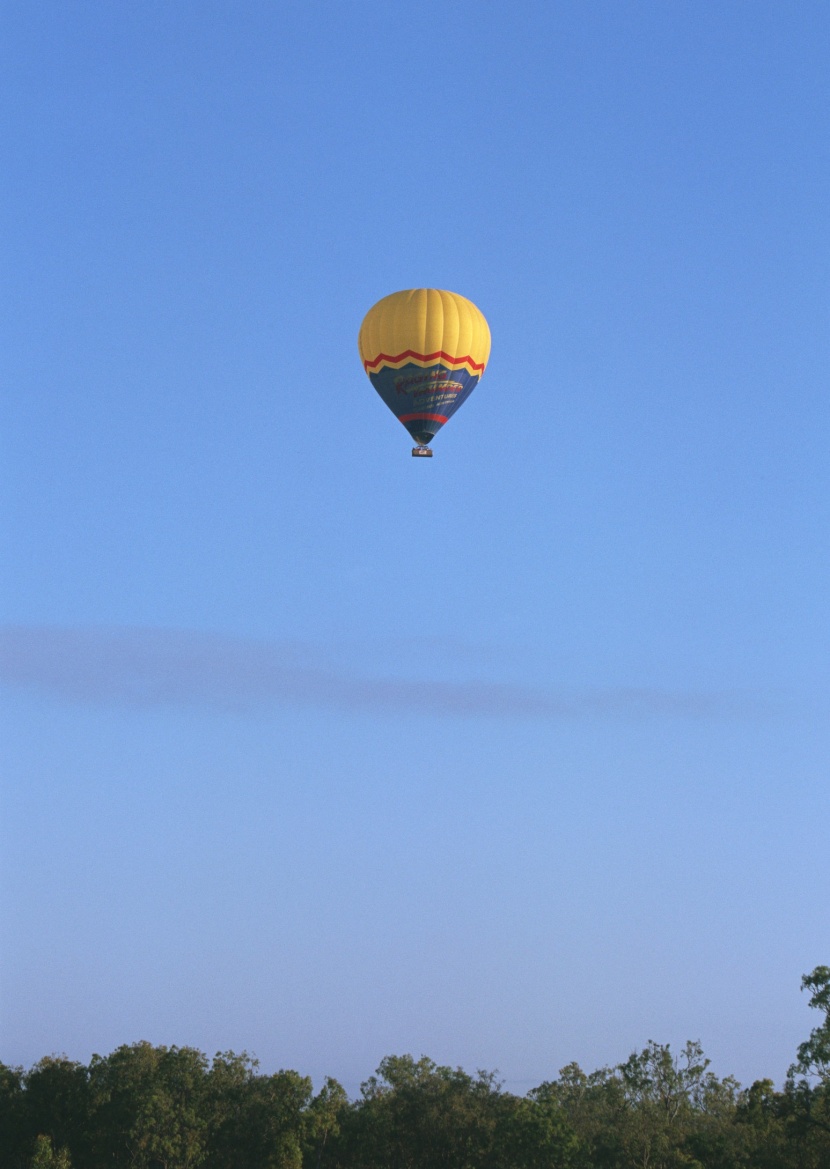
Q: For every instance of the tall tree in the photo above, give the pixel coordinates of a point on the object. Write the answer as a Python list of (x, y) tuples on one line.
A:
[(12, 1121), (808, 1079), (323, 1118), (415, 1114), (255, 1121), (147, 1104), (814, 1053), (59, 1106)]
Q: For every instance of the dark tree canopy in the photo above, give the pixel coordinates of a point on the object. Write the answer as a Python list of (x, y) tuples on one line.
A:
[(147, 1107)]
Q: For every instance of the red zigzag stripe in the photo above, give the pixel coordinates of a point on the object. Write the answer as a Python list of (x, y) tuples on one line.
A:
[(424, 357)]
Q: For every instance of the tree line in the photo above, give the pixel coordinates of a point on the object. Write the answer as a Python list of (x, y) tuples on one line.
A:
[(149, 1107)]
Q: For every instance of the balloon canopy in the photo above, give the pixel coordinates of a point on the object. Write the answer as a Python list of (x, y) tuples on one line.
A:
[(424, 351)]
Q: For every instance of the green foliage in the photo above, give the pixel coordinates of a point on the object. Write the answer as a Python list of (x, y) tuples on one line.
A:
[(414, 1114), (808, 1097), (655, 1110), (761, 1129), (13, 1128), (814, 1054), (58, 1104), (45, 1157), (256, 1121), (534, 1134), (323, 1120), (147, 1107)]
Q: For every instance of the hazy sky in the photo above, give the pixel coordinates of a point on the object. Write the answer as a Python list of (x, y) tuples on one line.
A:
[(512, 757)]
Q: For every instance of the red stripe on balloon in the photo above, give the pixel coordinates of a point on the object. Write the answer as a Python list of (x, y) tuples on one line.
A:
[(425, 357), (418, 417)]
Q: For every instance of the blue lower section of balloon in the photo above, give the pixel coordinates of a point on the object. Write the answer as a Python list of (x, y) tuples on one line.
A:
[(424, 399)]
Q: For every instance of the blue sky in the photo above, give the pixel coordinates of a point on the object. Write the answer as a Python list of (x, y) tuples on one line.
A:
[(514, 756)]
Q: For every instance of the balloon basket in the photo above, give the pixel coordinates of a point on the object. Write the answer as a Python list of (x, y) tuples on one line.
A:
[(421, 452)]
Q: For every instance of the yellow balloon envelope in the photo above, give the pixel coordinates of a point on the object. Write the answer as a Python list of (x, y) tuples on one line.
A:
[(424, 351)]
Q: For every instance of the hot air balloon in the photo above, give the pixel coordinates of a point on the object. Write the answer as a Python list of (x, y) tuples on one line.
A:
[(424, 351)]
